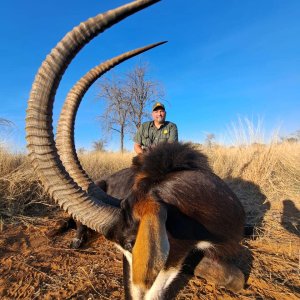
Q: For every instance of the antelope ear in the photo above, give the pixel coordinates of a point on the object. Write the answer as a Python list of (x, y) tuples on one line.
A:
[(151, 248)]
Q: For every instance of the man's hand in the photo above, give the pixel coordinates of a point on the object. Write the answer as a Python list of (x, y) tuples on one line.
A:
[(138, 148)]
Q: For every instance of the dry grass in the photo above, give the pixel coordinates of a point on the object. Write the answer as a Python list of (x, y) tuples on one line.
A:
[(274, 167), (265, 177), (9, 162), (100, 164), (21, 194), (20, 191)]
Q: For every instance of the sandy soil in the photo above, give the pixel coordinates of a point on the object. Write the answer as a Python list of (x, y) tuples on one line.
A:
[(35, 266)]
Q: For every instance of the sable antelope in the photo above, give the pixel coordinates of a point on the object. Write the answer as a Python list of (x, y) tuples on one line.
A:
[(176, 203), (65, 138)]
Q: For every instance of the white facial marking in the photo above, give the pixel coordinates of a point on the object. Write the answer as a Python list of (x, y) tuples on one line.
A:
[(136, 292), (162, 281), (204, 245), (126, 253)]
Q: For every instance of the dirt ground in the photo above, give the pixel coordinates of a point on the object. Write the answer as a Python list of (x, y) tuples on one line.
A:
[(35, 266)]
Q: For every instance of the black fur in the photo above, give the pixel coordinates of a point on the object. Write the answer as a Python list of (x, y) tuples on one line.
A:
[(178, 175), (166, 158), (200, 206)]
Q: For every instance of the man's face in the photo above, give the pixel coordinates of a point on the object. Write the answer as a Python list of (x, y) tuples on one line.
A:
[(159, 115)]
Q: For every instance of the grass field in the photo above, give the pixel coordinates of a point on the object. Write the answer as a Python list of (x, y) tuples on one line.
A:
[(266, 178)]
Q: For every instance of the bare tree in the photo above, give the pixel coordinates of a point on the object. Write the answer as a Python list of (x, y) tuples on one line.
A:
[(81, 150), (127, 100), (141, 91), (99, 145), (5, 122), (5, 127), (292, 138), (209, 140), (116, 114)]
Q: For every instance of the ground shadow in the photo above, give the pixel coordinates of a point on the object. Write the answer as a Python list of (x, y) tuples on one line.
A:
[(254, 202), (256, 205), (290, 218)]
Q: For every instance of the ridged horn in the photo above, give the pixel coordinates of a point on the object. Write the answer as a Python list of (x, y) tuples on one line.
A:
[(65, 129), (90, 210)]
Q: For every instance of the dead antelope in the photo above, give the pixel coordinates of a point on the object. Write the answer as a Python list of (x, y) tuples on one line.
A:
[(65, 137), (176, 203)]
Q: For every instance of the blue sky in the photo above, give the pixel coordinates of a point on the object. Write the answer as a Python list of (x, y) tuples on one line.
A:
[(224, 59)]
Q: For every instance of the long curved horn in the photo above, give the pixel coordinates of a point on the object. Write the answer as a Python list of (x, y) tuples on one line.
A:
[(65, 129), (42, 151)]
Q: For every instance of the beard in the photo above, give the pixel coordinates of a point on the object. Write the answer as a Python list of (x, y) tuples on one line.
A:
[(160, 120)]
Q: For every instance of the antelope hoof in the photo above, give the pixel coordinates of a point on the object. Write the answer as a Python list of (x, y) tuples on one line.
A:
[(235, 283), (221, 274)]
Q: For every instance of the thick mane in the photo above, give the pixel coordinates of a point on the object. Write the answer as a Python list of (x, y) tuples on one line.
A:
[(170, 157), (152, 166)]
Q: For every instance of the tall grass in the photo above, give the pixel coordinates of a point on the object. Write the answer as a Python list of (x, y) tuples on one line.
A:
[(275, 168), (20, 190), (21, 193), (262, 175), (100, 164), (9, 161), (245, 132), (262, 171)]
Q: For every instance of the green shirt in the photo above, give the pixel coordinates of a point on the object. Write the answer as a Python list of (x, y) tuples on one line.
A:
[(148, 135)]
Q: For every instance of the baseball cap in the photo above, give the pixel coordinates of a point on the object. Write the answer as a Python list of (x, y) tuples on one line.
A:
[(157, 105)]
